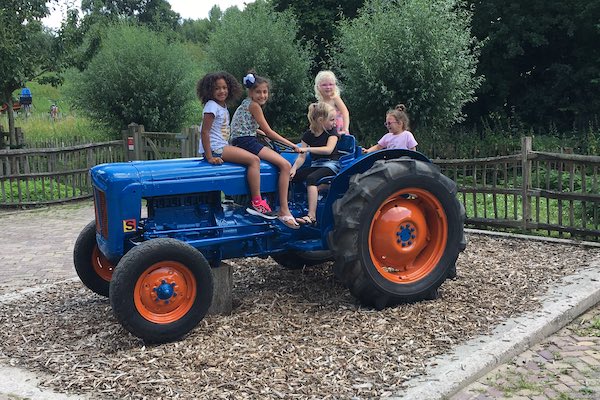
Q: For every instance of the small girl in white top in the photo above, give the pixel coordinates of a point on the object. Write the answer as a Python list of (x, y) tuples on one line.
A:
[(398, 136), (215, 90)]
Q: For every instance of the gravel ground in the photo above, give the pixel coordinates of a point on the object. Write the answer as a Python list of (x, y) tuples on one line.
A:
[(293, 334)]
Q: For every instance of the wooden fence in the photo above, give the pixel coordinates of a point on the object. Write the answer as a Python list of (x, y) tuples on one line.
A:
[(142, 145), (549, 193), (45, 176)]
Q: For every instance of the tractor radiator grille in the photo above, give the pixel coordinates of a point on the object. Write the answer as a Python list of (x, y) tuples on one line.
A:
[(101, 217)]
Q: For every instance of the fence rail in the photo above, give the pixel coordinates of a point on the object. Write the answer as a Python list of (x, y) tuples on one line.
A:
[(550, 193), (554, 194)]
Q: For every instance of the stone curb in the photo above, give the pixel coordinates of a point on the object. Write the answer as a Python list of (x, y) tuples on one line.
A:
[(448, 374)]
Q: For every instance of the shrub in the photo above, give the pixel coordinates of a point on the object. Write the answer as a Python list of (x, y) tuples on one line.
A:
[(260, 38), (417, 52), (137, 76)]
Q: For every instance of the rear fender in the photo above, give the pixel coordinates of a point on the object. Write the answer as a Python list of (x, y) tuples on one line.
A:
[(339, 185)]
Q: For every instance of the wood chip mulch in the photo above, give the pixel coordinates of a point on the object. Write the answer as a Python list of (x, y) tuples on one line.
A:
[(293, 334)]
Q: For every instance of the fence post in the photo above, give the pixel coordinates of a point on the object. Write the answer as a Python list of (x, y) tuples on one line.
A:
[(194, 140), (526, 148), (132, 140)]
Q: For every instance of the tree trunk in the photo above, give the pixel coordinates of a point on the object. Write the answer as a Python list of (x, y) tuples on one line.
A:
[(11, 124)]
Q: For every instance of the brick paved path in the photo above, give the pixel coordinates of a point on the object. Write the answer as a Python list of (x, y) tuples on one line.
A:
[(36, 246), (565, 366)]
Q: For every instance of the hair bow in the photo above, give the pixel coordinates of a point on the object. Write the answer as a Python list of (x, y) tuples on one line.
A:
[(249, 80)]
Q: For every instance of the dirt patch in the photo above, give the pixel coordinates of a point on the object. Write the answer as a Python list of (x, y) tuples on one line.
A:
[(293, 334)]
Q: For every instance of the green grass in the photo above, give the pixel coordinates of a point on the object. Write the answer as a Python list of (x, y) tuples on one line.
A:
[(69, 128), (36, 190)]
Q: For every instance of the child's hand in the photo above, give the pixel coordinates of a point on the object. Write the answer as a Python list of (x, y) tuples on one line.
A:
[(215, 160), (299, 149), (304, 150)]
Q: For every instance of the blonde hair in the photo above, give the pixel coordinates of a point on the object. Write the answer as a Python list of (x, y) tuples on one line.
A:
[(399, 112), (320, 77), (316, 111)]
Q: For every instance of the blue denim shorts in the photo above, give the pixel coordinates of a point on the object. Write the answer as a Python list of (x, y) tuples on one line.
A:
[(248, 143)]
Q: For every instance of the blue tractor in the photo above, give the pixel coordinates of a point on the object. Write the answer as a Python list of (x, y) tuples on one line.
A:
[(389, 220)]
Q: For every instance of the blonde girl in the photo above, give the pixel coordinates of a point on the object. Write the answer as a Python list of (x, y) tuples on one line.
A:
[(320, 140), (398, 136), (327, 91), (246, 120)]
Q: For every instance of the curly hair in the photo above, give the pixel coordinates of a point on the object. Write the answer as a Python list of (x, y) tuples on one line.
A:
[(206, 86), (400, 114)]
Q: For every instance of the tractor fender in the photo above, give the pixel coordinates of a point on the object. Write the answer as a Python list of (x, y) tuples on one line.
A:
[(339, 185)]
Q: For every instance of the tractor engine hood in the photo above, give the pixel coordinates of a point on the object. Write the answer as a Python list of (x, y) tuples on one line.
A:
[(182, 175)]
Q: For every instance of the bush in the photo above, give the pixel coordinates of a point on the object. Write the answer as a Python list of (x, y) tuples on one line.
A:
[(417, 52), (260, 38), (137, 76)]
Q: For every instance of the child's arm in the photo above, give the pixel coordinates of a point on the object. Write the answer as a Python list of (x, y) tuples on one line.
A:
[(340, 105), (258, 115), (207, 122), (373, 148), (299, 160), (324, 150)]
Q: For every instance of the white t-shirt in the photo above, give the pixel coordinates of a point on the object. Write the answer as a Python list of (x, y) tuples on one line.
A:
[(219, 132)]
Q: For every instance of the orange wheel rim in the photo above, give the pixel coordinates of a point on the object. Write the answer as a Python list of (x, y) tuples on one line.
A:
[(102, 267), (408, 235), (165, 292)]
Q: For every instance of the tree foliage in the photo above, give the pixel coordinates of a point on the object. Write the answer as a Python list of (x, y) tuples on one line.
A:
[(137, 76), (416, 52), (318, 22), (26, 48), (198, 30), (541, 60), (262, 39), (82, 36)]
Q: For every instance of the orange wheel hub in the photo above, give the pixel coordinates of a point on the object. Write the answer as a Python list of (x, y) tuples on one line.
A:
[(408, 235), (165, 292), (103, 268)]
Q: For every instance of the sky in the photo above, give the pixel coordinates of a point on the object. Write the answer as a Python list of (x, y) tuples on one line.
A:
[(188, 9)]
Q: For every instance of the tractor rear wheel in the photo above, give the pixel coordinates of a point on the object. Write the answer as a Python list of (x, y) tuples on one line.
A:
[(301, 259), (398, 232), (94, 270), (161, 290)]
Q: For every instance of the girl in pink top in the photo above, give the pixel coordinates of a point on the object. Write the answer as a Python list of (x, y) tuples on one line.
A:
[(327, 91), (398, 137)]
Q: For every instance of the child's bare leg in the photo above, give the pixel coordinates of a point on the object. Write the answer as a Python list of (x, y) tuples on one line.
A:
[(284, 177), (251, 161), (312, 194)]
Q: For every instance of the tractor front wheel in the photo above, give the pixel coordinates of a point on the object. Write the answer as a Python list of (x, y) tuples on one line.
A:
[(161, 290), (94, 270), (398, 232)]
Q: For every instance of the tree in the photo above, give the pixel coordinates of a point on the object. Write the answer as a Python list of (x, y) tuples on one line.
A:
[(318, 22), (262, 39), (541, 60), (416, 52), (82, 36), (137, 76), (197, 31), (26, 50)]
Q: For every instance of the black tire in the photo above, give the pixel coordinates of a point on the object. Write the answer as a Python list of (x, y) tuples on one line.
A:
[(94, 270), (423, 243), (301, 259), (161, 290)]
